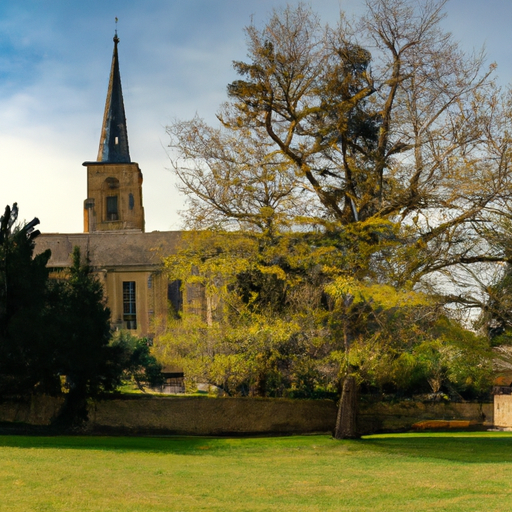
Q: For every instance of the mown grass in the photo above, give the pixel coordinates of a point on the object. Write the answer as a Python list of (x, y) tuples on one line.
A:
[(409, 472)]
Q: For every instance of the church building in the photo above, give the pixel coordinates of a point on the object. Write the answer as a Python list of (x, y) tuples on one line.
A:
[(125, 258)]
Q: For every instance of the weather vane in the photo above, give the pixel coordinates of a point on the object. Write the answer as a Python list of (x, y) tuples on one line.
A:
[(116, 25)]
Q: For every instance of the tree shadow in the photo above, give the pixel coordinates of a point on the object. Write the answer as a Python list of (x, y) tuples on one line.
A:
[(468, 448), (171, 445)]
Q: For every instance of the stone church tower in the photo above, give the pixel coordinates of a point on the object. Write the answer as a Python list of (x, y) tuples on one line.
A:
[(126, 259), (114, 182)]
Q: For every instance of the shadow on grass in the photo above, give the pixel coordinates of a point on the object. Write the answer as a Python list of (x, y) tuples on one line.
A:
[(185, 445), (479, 448), (468, 448), (174, 445)]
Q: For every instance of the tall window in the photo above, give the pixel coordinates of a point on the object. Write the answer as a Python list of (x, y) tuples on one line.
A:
[(175, 297), (129, 305), (112, 208)]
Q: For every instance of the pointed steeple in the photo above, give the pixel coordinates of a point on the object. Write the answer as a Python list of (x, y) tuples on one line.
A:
[(114, 136)]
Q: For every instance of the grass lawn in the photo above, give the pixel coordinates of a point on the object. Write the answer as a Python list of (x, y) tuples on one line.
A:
[(406, 472)]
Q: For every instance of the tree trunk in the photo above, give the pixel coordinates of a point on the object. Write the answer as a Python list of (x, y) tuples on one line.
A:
[(346, 427), (74, 413)]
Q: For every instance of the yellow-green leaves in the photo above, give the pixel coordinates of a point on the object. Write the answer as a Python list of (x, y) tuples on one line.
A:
[(377, 295)]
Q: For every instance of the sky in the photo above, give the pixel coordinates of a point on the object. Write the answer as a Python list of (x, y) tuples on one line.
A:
[(176, 61)]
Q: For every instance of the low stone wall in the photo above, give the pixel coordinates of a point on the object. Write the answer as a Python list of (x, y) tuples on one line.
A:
[(214, 416), (39, 411), (245, 416), (394, 417)]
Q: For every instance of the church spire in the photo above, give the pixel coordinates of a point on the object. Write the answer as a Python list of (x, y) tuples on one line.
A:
[(114, 136)]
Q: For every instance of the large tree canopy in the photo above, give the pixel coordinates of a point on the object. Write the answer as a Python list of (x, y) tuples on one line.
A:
[(381, 143), (325, 129)]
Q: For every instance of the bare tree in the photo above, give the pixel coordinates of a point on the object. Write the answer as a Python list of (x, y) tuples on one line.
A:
[(235, 180)]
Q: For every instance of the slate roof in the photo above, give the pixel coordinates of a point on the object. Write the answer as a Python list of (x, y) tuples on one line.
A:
[(114, 135), (107, 249)]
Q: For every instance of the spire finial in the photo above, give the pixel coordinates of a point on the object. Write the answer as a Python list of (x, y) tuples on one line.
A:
[(116, 39)]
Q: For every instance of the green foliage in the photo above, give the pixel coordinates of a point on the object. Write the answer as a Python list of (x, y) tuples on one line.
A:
[(282, 318), (254, 336), (50, 328), (27, 346), (263, 330), (425, 354), (381, 296), (82, 327), (258, 354), (496, 317), (355, 194), (136, 360), (85, 323)]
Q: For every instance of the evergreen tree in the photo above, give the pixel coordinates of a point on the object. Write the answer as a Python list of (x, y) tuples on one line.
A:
[(51, 328), (27, 350), (91, 365)]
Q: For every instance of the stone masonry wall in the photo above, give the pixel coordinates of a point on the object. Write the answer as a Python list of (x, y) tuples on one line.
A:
[(215, 416), (388, 417), (242, 416)]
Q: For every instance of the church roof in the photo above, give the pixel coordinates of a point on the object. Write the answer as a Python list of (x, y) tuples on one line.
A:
[(114, 136), (111, 249)]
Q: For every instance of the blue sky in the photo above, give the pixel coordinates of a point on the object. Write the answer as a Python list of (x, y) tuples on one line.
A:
[(175, 58)]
